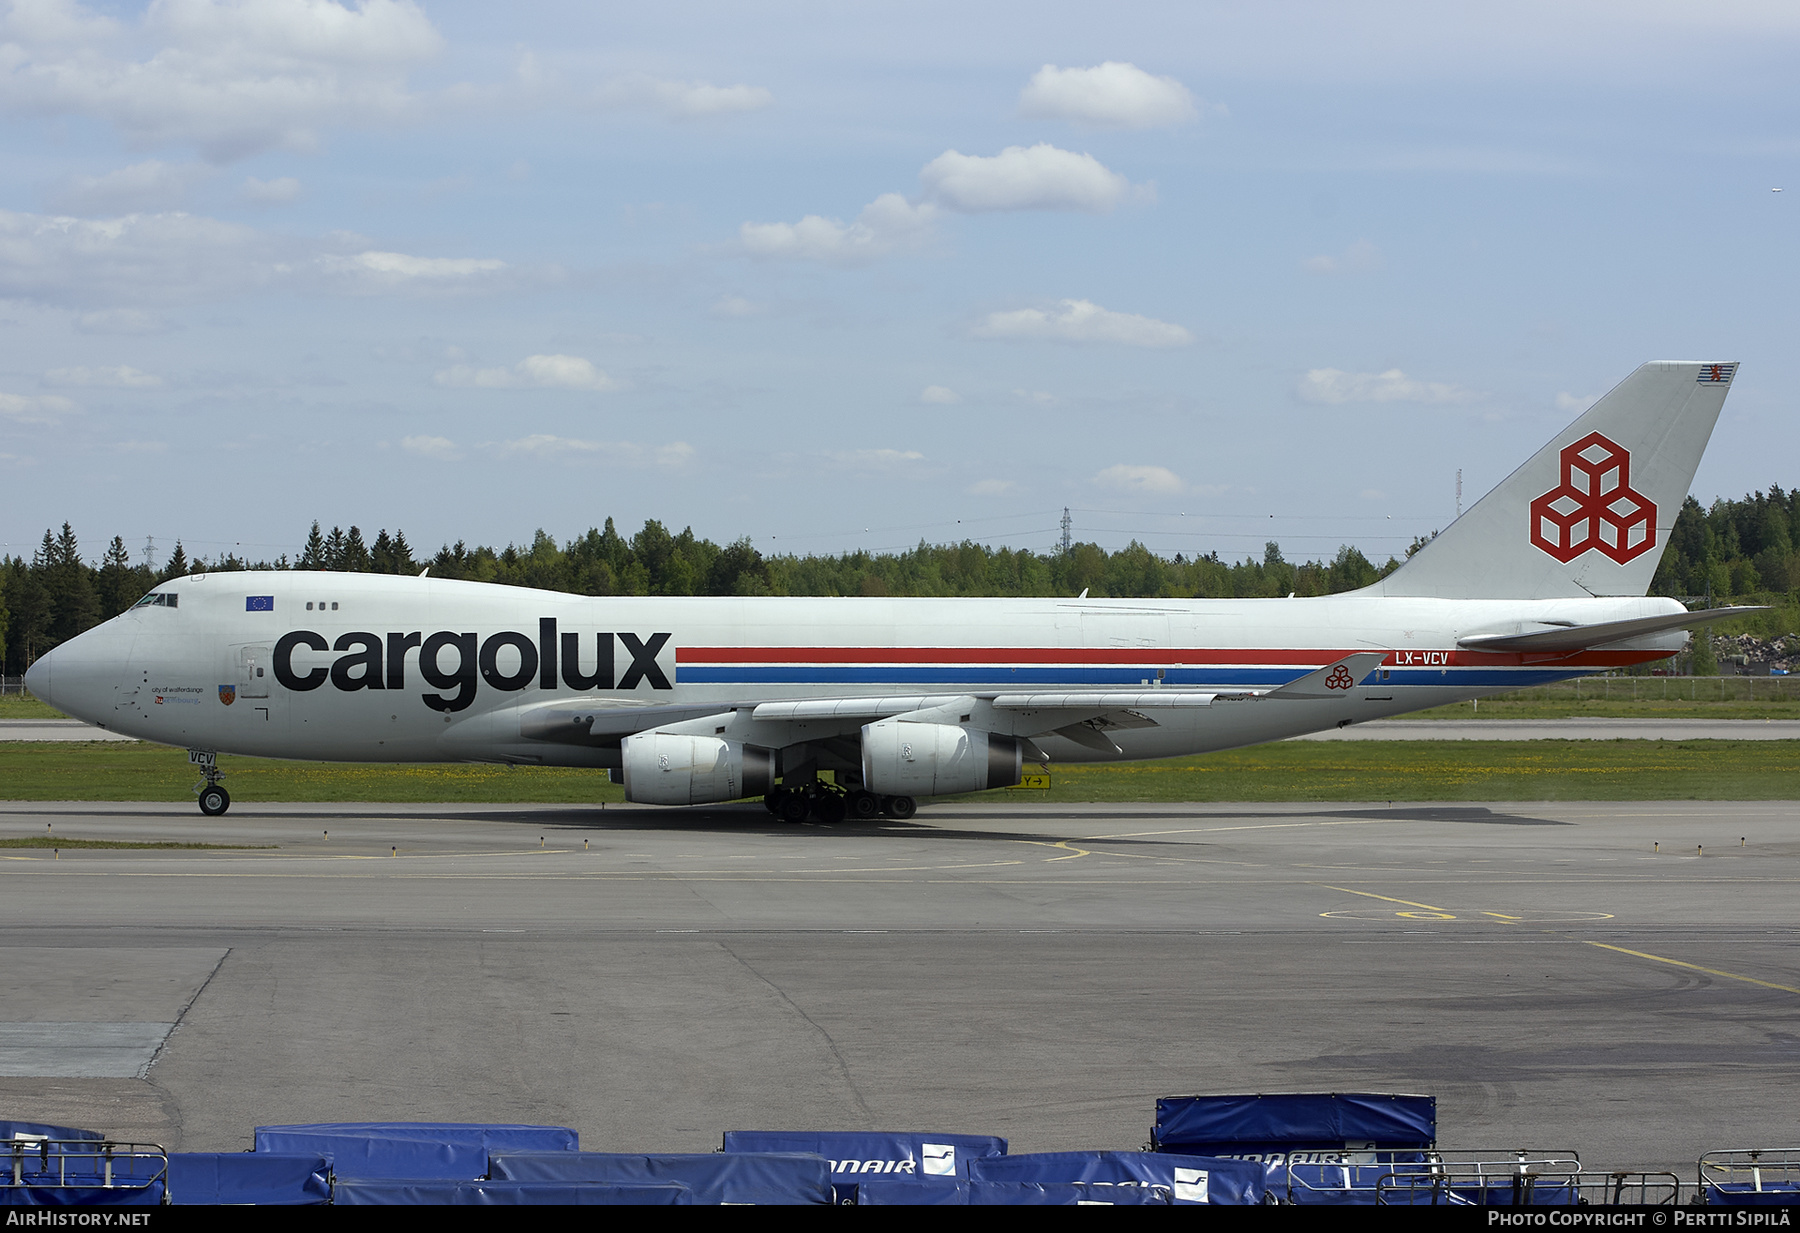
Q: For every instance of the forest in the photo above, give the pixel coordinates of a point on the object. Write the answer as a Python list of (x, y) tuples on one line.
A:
[(1738, 551)]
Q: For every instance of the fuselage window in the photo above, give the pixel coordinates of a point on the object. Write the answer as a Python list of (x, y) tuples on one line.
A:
[(309, 605), (334, 605)]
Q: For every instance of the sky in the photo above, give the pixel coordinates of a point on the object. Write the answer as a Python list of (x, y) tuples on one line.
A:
[(841, 276)]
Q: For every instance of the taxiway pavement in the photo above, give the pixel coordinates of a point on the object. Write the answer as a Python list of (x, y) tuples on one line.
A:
[(1618, 979)]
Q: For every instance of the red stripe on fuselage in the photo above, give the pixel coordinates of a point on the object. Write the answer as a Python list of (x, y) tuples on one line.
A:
[(1162, 656)]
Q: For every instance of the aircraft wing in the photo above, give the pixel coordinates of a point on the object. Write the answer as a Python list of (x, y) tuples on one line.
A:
[(587, 722), (1580, 637)]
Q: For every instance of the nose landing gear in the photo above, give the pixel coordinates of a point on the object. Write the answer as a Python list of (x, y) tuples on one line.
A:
[(214, 799)]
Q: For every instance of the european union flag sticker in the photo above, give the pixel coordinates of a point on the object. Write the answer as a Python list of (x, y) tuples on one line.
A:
[(259, 603)]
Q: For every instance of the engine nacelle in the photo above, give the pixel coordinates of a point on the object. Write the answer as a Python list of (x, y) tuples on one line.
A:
[(662, 768), (904, 758)]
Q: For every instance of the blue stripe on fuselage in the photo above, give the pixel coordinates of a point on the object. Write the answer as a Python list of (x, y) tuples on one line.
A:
[(1007, 677)]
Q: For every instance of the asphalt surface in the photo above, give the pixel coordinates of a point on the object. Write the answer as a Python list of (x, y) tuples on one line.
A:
[(654, 978)]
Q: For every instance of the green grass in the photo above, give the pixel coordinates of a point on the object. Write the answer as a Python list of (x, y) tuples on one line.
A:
[(1643, 697), (1626, 770), (24, 706), (118, 771), (1289, 771), (54, 842)]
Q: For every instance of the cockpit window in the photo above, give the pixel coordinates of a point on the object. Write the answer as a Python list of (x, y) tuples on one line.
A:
[(159, 599)]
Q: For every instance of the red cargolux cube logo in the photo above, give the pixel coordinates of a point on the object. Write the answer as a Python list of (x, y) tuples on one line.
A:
[(1594, 506)]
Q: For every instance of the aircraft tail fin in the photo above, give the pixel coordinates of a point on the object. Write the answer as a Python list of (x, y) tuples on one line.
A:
[(1591, 512)]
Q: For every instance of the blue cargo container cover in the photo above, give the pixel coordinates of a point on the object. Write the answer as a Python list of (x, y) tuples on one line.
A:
[(904, 1192), (882, 1192), (854, 1155), (83, 1196), (1287, 1121), (1063, 1194), (359, 1192), (712, 1177), (43, 1130), (248, 1177), (1746, 1194), (1188, 1179), (412, 1150)]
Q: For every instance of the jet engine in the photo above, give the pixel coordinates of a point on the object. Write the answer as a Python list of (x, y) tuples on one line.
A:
[(904, 758), (663, 768)]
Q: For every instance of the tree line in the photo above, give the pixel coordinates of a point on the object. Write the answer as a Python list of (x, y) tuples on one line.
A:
[(1732, 550)]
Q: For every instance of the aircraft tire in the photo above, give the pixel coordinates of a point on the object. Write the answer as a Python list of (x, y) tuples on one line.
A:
[(901, 807), (864, 805), (772, 803), (792, 807), (214, 800), (830, 809)]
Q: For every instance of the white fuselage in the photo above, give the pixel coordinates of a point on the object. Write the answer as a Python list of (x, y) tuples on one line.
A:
[(333, 666)]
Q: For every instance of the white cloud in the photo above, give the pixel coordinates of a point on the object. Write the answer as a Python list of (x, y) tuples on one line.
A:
[(737, 306), (269, 192), (1083, 321), (681, 99), (91, 263), (149, 185), (1574, 404), (58, 259), (151, 257), (38, 409), (120, 321), (940, 394), (877, 460), (1155, 481), (1359, 258), (550, 448), (402, 267), (534, 372), (1332, 385), (885, 224), (229, 76), (437, 449), (1113, 94), (1040, 177), (119, 378), (992, 487)]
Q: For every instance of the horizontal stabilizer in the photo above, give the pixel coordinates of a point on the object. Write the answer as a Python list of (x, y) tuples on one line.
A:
[(1333, 680), (1580, 637)]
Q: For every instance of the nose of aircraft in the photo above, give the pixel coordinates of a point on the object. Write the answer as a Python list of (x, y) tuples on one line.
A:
[(37, 678), (79, 676)]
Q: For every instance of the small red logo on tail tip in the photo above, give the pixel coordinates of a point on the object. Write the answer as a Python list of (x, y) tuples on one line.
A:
[(1594, 506), (1338, 678)]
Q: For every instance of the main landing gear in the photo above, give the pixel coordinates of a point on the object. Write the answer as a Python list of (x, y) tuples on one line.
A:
[(830, 805)]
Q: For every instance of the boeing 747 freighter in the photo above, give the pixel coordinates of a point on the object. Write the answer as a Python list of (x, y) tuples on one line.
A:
[(829, 707)]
